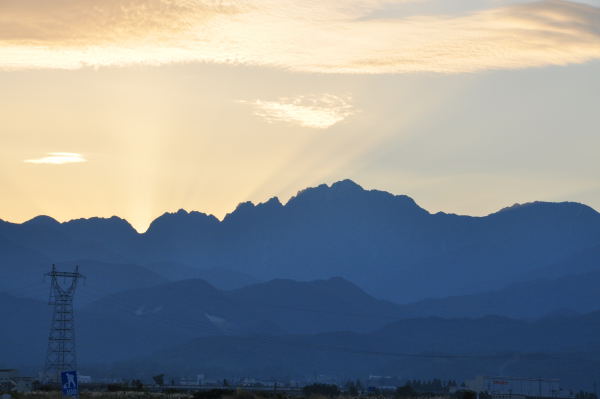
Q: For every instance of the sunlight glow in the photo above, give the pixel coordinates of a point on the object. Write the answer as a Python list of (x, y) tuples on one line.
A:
[(58, 158)]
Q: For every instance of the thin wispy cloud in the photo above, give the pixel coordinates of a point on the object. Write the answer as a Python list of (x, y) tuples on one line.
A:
[(58, 158), (352, 36), (317, 112)]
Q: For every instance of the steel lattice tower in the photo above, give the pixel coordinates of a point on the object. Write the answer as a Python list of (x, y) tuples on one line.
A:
[(61, 355)]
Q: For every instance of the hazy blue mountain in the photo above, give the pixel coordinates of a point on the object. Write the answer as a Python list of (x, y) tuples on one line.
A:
[(226, 279), (140, 321), (151, 318), (192, 305), (170, 313), (22, 269), (385, 243), (275, 307), (583, 261), (173, 271), (25, 276), (221, 278), (192, 327), (162, 316), (24, 331), (316, 306), (567, 348), (576, 293), (104, 278)]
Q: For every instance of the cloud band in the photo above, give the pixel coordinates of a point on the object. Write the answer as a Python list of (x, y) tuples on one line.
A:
[(308, 36)]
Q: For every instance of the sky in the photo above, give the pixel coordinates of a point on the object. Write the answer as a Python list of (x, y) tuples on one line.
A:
[(137, 107)]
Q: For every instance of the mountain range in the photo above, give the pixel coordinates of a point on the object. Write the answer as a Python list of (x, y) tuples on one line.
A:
[(340, 279), (567, 347), (385, 243), (164, 328), (176, 312)]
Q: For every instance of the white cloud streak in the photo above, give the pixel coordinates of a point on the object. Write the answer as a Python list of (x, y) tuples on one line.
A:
[(58, 158), (309, 36), (317, 112)]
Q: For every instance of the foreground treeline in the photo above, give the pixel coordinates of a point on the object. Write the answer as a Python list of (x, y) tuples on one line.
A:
[(313, 391), (211, 394)]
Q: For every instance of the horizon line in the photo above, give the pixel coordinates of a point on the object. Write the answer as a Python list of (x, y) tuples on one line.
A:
[(330, 186)]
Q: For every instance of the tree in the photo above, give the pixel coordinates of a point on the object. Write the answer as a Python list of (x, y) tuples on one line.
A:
[(321, 389), (359, 385), (585, 395), (351, 388), (464, 394), (405, 391), (137, 385), (159, 379), (213, 394)]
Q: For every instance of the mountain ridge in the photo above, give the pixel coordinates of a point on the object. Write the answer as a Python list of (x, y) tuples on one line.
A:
[(343, 184), (386, 243)]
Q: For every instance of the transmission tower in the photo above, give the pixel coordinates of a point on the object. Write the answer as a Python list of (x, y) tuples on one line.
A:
[(61, 354)]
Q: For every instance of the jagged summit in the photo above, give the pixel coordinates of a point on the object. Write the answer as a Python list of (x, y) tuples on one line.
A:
[(272, 202), (242, 207), (345, 186), (181, 220), (545, 206), (347, 193), (248, 209), (379, 240), (343, 193), (182, 214), (110, 221), (42, 220)]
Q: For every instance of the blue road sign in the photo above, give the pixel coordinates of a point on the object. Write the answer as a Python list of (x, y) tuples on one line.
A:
[(70, 387)]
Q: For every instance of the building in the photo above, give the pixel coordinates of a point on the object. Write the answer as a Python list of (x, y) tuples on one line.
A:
[(23, 384), (10, 381), (515, 388), (84, 379), (7, 377), (192, 381)]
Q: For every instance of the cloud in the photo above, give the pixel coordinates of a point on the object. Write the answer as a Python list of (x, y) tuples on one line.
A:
[(351, 36), (318, 112), (91, 22), (58, 158)]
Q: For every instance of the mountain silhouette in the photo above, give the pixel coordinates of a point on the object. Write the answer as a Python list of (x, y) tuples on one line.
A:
[(384, 243), (342, 280)]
